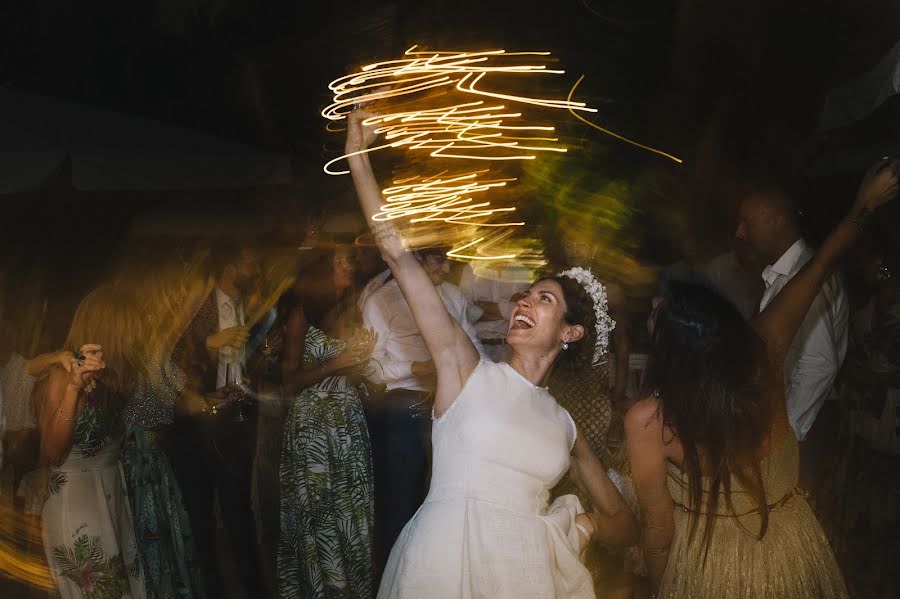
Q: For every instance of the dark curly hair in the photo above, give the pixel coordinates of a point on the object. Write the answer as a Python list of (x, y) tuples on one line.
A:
[(709, 369), (579, 311)]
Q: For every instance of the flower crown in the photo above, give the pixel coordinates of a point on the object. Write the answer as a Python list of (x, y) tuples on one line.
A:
[(594, 288)]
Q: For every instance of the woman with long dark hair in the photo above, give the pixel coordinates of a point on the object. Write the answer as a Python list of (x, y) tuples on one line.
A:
[(713, 458), (500, 441), (327, 490)]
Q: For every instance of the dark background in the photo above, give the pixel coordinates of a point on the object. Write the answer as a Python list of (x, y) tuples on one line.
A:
[(718, 82)]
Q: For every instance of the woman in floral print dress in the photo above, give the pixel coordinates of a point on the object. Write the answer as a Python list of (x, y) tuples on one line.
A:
[(327, 489), (87, 527)]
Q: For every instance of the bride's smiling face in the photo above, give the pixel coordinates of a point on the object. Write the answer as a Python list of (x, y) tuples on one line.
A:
[(538, 323)]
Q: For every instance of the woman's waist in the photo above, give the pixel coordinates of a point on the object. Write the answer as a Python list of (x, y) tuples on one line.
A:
[(528, 505), (331, 384), (492, 484), (87, 459), (138, 437), (739, 504)]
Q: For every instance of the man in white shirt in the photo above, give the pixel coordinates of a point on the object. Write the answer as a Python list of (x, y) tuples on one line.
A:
[(767, 224), (400, 419), (490, 293)]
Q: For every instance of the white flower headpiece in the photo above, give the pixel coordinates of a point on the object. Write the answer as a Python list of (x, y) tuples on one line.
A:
[(595, 289)]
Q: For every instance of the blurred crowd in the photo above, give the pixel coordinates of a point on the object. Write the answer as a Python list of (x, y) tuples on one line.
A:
[(227, 417)]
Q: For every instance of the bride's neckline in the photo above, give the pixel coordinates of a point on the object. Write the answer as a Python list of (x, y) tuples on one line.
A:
[(522, 377)]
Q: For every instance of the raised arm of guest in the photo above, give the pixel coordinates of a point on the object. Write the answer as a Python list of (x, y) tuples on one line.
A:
[(778, 323), (39, 365), (60, 402), (451, 349)]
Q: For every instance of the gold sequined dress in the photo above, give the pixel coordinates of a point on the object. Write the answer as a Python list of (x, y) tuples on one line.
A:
[(791, 561)]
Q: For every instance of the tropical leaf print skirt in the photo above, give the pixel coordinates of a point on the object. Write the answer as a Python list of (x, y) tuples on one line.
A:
[(327, 498), (87, 529)]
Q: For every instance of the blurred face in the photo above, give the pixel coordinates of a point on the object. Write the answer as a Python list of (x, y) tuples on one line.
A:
[(538, 320), (758, 227), (343, 268), (247, 271), (437, 267)]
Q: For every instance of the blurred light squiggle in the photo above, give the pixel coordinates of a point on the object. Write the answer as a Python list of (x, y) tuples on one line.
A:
[(616, 135), (444, 199), (438, 102), (473, 130)]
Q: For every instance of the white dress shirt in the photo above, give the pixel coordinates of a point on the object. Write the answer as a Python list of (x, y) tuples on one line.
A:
[(399, 341), (820, 345), (372, 286), (498, 286), (231, 314)]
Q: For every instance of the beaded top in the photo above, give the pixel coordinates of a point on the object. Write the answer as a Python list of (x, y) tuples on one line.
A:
[(153, 403)]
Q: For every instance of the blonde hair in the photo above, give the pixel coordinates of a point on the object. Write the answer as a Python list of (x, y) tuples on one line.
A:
[(110, 317)]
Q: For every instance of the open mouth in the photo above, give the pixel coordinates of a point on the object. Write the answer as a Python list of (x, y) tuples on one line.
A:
[(520, 321)]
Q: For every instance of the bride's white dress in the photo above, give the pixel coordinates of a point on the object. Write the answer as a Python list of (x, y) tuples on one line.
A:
[(486, 529)]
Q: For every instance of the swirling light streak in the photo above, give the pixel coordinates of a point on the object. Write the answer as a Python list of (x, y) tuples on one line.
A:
[(616, 135), (481, 129), (441, 198), (458, 254), (467, 130)]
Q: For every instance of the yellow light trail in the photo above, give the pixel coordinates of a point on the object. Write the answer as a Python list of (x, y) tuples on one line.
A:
[(457, 252), (473, 130), (616, 135), (443, 198), (470, 122)]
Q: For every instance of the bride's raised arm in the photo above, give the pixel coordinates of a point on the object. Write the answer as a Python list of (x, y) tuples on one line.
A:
[(778, 323), (451, 349)]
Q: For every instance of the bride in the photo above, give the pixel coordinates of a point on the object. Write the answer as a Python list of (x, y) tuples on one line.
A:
[(500, 440)]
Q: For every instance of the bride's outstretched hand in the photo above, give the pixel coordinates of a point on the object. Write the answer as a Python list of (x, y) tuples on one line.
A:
[(879, 186), (360, 135)]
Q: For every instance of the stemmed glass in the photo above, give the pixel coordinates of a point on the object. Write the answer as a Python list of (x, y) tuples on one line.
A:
[(233, 391)]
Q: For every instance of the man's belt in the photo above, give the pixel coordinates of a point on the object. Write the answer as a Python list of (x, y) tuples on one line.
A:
[(418, 403)]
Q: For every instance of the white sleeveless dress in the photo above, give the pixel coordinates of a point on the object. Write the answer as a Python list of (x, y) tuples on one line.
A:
[(486, 529)]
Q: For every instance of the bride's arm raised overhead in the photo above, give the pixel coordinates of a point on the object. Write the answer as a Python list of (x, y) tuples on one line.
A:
[(451, 349)]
